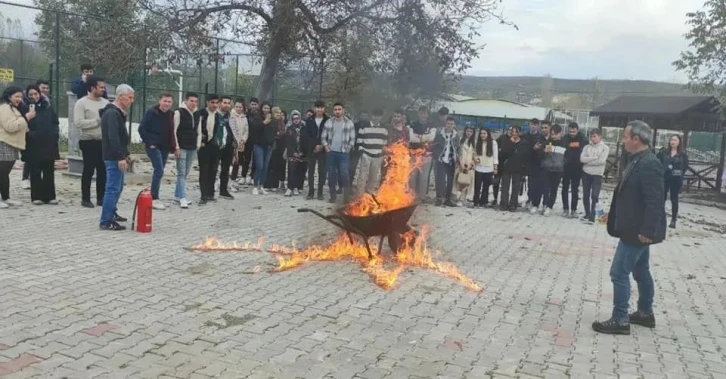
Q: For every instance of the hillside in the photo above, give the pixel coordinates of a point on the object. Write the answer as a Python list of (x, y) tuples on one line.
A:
[(565, 93)]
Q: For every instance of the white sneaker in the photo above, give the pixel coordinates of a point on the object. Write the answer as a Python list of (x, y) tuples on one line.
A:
[(459, 203), (184, 203), (255, 191), (533, 210), (263, 191), (295, 192), (4, 205), (13, 203), (37, 202), (158, 205), (53, 202), (177, 200), (288, 193), (546, 212), (25, 184)]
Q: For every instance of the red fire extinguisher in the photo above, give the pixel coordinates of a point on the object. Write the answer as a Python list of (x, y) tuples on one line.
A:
[(142, 212)]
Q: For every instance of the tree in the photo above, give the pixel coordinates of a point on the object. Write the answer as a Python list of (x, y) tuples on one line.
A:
[(280, 29), (112, 35), (705, 63)]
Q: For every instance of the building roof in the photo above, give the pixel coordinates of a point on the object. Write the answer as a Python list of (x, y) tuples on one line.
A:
[(656, 105), (693, 113), (496, 109)]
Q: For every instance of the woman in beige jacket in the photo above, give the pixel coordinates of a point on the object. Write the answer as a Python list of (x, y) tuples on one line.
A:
[(13, 127), (465, 170)]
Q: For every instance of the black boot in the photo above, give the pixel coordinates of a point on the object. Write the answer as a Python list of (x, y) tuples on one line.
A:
[(640, 318), (611, 327), (672, 224)]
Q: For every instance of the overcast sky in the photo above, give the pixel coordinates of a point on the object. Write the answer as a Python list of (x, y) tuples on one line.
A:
[(610, 39)]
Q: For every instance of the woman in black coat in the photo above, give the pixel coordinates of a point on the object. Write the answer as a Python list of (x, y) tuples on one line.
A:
[(675, 163), (41, 148)]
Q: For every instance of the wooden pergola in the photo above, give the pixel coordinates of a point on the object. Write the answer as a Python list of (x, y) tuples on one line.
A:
[(682, 113)]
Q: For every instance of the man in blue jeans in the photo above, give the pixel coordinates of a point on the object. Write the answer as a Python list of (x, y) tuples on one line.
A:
[(116, 157), (637, 216), (157, 132), (338, 138), (185, 131)]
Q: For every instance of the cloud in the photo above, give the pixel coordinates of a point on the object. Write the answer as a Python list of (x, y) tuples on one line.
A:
[(612, 39)]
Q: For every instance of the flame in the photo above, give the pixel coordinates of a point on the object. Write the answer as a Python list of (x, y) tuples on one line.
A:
[(394, 193), (384, 271)]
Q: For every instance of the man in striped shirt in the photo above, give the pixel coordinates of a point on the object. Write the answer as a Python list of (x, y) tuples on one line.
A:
[(372, 138)]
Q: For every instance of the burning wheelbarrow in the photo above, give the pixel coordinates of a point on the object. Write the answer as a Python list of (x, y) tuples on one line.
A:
[(391, 224)]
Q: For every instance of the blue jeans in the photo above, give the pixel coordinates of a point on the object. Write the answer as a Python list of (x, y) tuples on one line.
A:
[(158, 159), (261, 159), (114, 186), (338, 171), (183, 165), (629, 258)]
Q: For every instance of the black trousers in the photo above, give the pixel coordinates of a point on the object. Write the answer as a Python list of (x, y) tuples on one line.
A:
[(226, 158), (92, 162), (244, 160), (496, 181), (42, 181), (209, 157), (537, 186), (276, 172), (553, 183), (320, 160), (571, 183), (5, 168), (482, 182), (591, 185), (296, 171), (673, 185), (511, 184), (444, 179)]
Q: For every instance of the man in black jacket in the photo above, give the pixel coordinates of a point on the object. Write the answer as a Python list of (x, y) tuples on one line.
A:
[(637, 216), (115, 146), (313, 148), (574, 143)]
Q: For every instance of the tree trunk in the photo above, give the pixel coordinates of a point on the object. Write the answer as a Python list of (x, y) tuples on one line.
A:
[(269, 70), (283, 14)]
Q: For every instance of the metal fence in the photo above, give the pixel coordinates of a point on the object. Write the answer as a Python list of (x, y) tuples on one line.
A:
[(230, 69)]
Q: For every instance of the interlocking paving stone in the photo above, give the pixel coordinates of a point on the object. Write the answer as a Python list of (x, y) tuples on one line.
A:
[(78, 301)]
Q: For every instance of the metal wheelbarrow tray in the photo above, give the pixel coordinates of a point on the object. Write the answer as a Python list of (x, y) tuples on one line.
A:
[(389, 224)]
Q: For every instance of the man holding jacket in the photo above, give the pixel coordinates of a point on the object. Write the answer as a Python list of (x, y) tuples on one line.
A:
[(157, 132), (115, 144), (637, 216)]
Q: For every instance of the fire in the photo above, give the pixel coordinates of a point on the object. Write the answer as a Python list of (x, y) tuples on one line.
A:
[(383, 270), (394, 192)]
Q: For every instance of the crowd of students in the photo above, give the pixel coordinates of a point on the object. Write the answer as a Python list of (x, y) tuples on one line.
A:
[(240, 144)]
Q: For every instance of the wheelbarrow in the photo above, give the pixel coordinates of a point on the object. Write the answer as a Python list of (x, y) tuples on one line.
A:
[(391, 224)]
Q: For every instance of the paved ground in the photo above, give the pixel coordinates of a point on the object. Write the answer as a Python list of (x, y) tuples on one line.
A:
[(77, 302)]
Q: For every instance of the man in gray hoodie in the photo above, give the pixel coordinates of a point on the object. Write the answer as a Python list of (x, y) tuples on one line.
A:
[(338, 138)]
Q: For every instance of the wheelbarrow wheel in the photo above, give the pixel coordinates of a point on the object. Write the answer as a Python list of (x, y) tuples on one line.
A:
[(396, 241)]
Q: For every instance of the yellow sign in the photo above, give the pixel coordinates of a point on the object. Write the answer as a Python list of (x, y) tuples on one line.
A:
[(7, 75)]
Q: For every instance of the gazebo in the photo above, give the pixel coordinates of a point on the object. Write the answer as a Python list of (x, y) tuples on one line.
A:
[(681, 113)]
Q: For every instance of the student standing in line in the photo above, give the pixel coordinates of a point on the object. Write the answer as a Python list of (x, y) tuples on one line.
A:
[(41, 148), (157, 132), (13, 127), (486, 164), (86, 117), (208, 154), (465, 166), (185, 132), (446, 152), (594, 158)]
